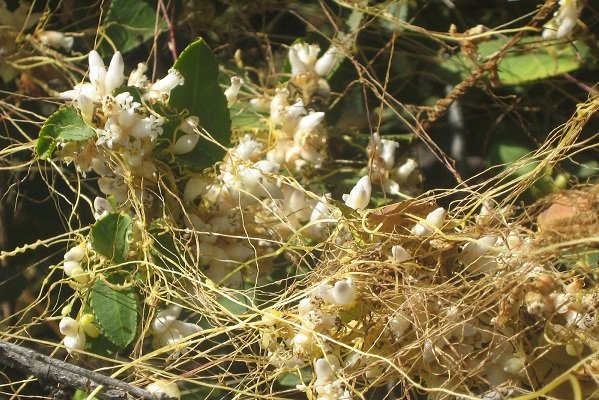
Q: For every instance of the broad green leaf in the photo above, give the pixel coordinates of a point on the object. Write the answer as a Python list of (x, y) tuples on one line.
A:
[(115, 311), (129, 24), (62, 126), (110, 236), (202, 96), (529, 61)]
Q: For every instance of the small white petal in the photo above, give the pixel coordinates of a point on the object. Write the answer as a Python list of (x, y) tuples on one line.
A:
[(400, 254), (74, 254), (74, 342), (310, 121), (68, 326), (327, 62), (97, 71)]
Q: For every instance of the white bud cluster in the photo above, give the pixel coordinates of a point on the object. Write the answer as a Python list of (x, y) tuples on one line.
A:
[(167, 330), (123, 126), (74, 331), (394, 176), (72, 265)]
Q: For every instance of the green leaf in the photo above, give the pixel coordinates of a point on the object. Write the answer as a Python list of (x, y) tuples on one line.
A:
[(62, 126), (292, 379), (202, 97), (129, 24), (532, 60), (110, 236), (116, 312)]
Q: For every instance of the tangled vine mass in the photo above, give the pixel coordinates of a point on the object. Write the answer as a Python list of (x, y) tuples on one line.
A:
[(259, 218)]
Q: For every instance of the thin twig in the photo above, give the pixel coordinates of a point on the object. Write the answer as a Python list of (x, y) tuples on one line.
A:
[(48, 369)]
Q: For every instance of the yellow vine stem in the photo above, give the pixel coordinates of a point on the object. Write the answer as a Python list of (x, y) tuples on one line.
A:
[(566, 376)]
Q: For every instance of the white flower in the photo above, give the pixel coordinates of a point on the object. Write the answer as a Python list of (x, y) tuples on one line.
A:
[(74, 338), (386, 152), (564, 20), (433, 220), (55, 39), (162, 388), (163, 87), (302, 58), (167, 330), (102, 207), (137, 76), (404, 171), (133, 153), (344, 292), (233, 90), (310, 121), (473, 251), (399, 324), (150, 126), (400, 254), (359, 197), (323, 370), (248, 149)]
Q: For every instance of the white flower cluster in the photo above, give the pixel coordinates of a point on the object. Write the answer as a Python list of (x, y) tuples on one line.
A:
[(126, 130), (168, 331), (564, 21), (72, 265), (74, 331), (394, 176), (318, 314)]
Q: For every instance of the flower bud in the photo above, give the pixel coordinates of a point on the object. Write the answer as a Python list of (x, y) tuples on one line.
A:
[(325, 64), (233, 90), (70, 266), (359, 197), (74, 254), (400, 254), (97, 71), (55, 39), (434, 219), (323, 370), (344, 292), (185, 143), (115, 76)]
